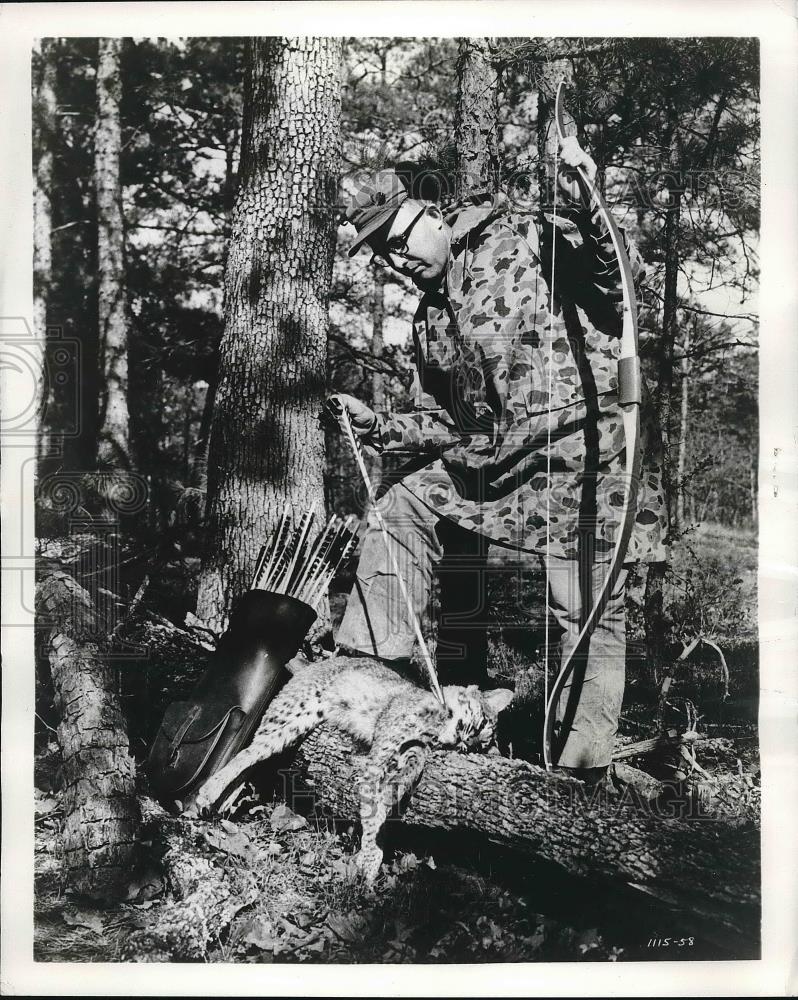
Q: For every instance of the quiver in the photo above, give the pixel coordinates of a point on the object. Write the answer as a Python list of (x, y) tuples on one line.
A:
[(200, 735)]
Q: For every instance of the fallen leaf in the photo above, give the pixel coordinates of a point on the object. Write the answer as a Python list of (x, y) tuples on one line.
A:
[(273, 848), (535, 942), (402, 931), (302, 918), (93, 921), (348, 926), (258, 932), (146, 885), (285, 820), (405, 863), (342, 867), (236, 843), (44, 804), (588, 940)]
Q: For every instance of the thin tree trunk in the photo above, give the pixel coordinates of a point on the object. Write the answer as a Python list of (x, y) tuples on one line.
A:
[(377, 351), (670, 311), (682, 465), (378, 307), (44, 124), (101, 813), (476, 117), (266, 447), (544, 145), (114, 440), (656, 627), (199, 466)]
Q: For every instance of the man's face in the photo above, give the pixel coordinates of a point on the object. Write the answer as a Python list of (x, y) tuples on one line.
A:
[(417, 244)]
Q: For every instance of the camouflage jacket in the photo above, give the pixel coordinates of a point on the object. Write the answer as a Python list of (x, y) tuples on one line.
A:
[(499, 360)]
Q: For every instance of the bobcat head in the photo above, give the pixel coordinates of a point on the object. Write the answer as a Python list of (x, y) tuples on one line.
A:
[(472, 714)]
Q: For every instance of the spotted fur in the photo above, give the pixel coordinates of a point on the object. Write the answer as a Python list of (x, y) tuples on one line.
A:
[(394, 720)]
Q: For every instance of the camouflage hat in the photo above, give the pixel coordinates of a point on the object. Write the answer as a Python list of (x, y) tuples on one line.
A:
[(378, 198)]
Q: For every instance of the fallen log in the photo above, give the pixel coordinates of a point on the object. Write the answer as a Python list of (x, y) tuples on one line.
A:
[(704, 866), (699, 865), (101, 814)]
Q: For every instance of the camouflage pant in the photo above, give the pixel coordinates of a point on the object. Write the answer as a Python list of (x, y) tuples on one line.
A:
[(376, 619)]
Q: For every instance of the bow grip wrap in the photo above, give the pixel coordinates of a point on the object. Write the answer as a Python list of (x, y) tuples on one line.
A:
[(630, 382)]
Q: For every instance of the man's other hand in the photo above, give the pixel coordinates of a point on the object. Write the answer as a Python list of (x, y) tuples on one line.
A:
[(362, 418)]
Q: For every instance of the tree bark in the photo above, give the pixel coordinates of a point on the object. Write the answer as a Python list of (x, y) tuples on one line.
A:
[(101, 812), (476, 118), (266, 447), (114, 439)]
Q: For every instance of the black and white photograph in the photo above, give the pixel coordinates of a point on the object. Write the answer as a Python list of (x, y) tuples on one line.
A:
[(390, 431)]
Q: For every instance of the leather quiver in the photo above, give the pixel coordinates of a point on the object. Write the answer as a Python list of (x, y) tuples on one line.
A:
[(200, 735)]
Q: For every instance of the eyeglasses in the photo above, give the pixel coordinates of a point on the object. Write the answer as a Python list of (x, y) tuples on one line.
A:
[(396, 246)]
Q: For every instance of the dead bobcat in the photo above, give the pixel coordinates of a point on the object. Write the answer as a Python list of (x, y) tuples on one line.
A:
[(378, 708)]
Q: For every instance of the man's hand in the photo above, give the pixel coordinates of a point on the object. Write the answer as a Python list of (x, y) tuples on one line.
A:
[(362, 418), (572, 156)]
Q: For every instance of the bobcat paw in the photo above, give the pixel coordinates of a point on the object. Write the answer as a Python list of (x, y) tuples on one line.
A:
[(368, 861), (197, 806)]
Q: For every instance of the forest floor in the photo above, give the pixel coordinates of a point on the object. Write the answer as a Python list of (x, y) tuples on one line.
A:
[(443, 898)]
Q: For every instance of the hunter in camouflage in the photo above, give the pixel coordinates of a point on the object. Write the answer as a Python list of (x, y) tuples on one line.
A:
[(516, 438), (484, 348)]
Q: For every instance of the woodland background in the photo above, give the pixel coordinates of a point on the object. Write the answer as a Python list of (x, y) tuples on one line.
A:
[(168, 174)]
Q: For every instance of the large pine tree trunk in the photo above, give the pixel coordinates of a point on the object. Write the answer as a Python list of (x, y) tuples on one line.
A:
[(44, 123), (476, 117), (101, 812), (266, 446), (114, 445)]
